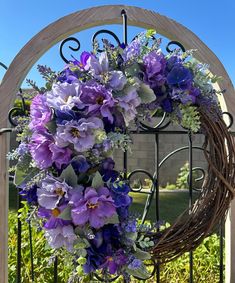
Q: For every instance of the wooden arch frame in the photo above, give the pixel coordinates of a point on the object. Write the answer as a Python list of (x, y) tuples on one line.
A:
[(57, 31)]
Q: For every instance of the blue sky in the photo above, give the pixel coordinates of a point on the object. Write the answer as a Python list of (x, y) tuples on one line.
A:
[(212, 20)]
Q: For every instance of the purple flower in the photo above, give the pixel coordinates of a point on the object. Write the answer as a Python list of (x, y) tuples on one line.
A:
[(80, 164), (116, 261), (166, 105), (30, 194), (52, 217), (100, 71), (68, 76), (79, 133), (94, 208), (107, 170), (84, 59), (22, 149), (172, 62), (135, 264), (98, 99), (128, 104), (39, 147), (51, 191), (61, 236), (154, 67), (44, 151), (180, 77), (40, 112), (63, 96)]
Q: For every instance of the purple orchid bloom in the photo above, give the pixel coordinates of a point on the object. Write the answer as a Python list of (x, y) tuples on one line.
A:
[(40, 112), (94, 208), (98, 99), (64, 96), (128, 104), (80, 133), (61, 236), (51, 191)]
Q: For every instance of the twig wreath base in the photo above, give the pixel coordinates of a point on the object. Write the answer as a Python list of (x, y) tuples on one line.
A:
[(196, 223)]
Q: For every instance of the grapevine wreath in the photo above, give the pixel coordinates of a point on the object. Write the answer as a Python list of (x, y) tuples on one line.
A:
[(66, 144)]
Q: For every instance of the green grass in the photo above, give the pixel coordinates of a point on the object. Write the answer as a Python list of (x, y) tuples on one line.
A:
[(172, 204)]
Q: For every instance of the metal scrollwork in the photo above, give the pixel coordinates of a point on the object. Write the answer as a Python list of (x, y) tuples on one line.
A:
[(173, 42), (69, 39)]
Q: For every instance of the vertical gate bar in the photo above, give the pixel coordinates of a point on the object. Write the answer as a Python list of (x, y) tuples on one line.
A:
[(190, 184), (56, 269), (31, 250), (157, 193), (19, 232), (124, 18), (221, 273)]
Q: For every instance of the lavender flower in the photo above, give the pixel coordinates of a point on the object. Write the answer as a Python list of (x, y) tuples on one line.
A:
[(132, 50), (94, 208), (79, 133)]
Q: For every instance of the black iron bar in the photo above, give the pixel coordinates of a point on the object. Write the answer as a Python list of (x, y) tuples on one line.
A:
[(190, 184), (56, 269), (19, 228), (221, 265), (157, 194), (31, 250)]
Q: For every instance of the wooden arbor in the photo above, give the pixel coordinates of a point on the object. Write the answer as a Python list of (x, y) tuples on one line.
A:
[(64, 27)]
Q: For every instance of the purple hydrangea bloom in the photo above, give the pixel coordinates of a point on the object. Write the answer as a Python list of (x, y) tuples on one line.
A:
[(172, 62), (128, 104), (63, 96), (61, 236), (94, 208), (132, 50), (79, 133), (135, 264), (22, 149), (180, 77), (44, 151), (51, 191), (154, 67), (98, 99), (40, 112)]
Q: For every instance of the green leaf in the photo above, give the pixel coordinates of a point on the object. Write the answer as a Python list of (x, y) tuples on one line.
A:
[(51, 126), (142, 254), (150, 32), (69, 176), (140, 273), (112, 220), (65, 214), (23, 177), (97, 181), (132, 236), (146, 93)]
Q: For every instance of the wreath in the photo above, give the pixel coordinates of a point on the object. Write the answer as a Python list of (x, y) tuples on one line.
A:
[(65, 168)]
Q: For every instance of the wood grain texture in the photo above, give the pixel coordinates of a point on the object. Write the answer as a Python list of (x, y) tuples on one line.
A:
[(4, 144), (66, 26)]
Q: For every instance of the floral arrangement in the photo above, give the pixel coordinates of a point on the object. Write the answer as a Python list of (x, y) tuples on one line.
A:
[(65, 168)]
